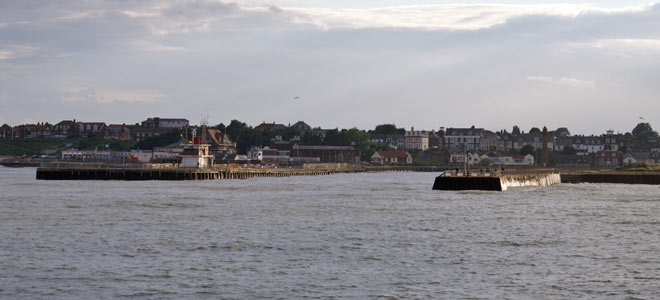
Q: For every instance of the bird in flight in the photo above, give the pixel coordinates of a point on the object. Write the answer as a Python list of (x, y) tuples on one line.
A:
[(296, 98), (639, 117)]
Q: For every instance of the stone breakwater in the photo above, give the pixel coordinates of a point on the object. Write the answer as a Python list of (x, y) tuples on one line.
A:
[(496, 182)]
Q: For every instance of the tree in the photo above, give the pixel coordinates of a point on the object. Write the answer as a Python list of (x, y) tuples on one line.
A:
[(644, 130), (220, 127), (535, 130), (515, 130), (569, 150), (485, 162), (244, 136), (563, 131), (162, 140), (527, 149), (388, 129), (360, 139)]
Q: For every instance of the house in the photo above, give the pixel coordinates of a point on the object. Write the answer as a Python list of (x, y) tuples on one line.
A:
[(302, 126), (524, 139), (572, 161), (416, 139), (489, 142), (65, 128), (220, 143), (391, 157), (632, 158), (158, 122), (89, 129), (268, 155), (612, 141), (517, 160), (460, 137), (324, 154), (608, 159), (436, 140), (139, 133), (270, 126), (120, 132), (6, 132), (458, 156), (506, 142), (395, 141)]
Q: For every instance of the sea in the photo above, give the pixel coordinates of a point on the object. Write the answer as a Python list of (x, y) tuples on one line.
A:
[(342, 236)]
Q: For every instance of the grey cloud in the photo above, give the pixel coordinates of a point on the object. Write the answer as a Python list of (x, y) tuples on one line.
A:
[(247, 64)]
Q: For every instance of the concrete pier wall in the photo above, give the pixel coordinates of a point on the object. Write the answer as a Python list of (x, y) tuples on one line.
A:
[(495, 183), (548, 179)]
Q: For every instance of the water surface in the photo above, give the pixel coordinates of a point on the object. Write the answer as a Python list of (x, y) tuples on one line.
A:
[(378, 235)]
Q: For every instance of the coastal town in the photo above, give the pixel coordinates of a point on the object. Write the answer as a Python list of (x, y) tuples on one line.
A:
[(270, 144)]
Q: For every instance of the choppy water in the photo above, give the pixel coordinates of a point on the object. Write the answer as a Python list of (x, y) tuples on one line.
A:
[(361, 236)]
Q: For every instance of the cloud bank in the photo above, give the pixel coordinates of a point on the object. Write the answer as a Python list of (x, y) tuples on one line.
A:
[(491, 65)]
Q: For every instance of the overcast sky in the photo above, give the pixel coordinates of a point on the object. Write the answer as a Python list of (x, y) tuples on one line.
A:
[(590, 67)]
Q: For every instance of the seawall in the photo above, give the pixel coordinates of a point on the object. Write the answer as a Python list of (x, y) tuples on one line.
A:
[(611, 177)]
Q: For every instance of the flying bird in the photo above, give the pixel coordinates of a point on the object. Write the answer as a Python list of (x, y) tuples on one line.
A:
[(641, 118), (296, 98)]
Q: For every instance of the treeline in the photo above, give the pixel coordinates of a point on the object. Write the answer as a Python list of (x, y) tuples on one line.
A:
[(246, 136)]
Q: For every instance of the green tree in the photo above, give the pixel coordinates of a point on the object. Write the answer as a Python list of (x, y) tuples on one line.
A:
[(360, 139), (644, 130), (563, 131), (309, 138), (220, 127), (515, 130), (388, 129), (485, 162), (569, 150), (527, 149), (535, 130), (162, 140)]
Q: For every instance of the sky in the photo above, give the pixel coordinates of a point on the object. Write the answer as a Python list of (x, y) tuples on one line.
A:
[(589, 66)]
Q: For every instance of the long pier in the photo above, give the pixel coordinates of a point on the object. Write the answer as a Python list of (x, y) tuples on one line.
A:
[(82, 173)]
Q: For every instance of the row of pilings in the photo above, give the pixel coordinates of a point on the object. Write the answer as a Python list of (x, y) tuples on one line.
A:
[(72, 173), (176, 174)]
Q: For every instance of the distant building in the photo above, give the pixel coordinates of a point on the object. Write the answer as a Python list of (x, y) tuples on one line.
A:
[(416, 139), (462, 137), (391, 157), (269, 156), (302, 126), (324, 154), (608, 159), (270, 126), (158, 122), (89, 129), (139, 133), (220, 144), (121, 132), (65, 128)]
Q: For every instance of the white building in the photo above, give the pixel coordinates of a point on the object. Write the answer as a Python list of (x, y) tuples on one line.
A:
[(196, 156)]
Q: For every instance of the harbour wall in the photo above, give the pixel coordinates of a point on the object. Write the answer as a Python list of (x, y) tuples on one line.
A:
[(611, 177)]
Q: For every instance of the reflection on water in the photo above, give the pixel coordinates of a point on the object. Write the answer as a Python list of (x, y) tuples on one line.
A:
[(351, 236)]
